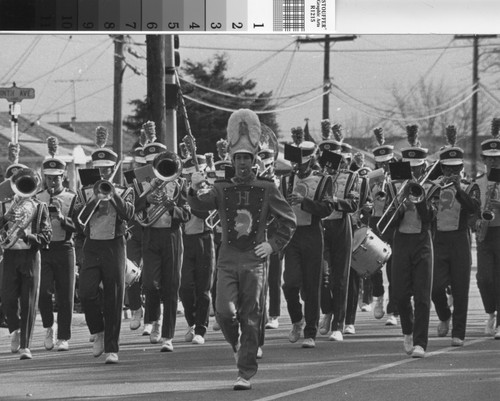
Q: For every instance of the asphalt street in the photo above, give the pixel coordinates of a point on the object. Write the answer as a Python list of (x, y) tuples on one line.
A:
[(370, 365)]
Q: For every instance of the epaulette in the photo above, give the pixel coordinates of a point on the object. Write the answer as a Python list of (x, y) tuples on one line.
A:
[(265, 179)]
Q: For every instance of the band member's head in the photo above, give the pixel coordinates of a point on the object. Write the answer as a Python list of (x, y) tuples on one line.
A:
[(189, 167), (243, 136), (139, 156), (103, 158), (451, 158), (266, 157), (383, 154), (308, 150), (331, 145), (53, 168), (490, 149), (415, 154)]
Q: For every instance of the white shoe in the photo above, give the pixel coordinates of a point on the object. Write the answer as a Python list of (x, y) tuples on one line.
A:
[(366, 308), (418, 352), (98, 347), (166, 345), (198, 339), (147, 329), (408, 343), (155, 336), (296, 331), (62, 345), (188, 337), (325, 323), (25, 353), (391, 320), (216, 326), (378, 310), (111, 357), (349, 329), (457, 342), (497, 333), (489, 328), (272, 323), (443, 327), (15, 341), (260, 353), (336, 336), (242, 384), (135, 322), (49, 339), (308, 343)]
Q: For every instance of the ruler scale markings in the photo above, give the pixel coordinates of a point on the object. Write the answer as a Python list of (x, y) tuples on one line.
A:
[(45, 15), (67, 15), (216, 15), (152, 15), (237, 15), (260, 16), (109, 15), (194, 15), (130, 15), (88, 18), (173, 19)]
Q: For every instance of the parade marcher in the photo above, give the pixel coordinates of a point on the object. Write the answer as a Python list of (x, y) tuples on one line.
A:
[(164, 205), (488, 232), (338, 239), (458, 200), (103, 211), (244, 204), (197, 264), (58, 260), (133, 293), (309, 193), (413, 250), (267, 158), (24, 230), (382, 192), (358, 220)]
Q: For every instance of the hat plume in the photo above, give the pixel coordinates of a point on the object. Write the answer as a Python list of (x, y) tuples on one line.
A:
[(150, 128), (297, 135), (337, 132), (451, 135), (326, 127), (52, 145), (379, 135), (101, 136), (495, 127), (412, 135)]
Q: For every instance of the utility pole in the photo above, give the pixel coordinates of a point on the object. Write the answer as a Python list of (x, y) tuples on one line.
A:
[(326, 64), (119, 70), (171, 93), (475, 87), (155, 45)]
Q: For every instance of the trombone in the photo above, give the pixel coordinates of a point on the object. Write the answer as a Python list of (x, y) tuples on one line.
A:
[(410, 190), (167, 167), (103, 187)]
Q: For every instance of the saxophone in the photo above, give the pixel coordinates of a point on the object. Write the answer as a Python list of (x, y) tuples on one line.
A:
[(24, 210), (487, 214)]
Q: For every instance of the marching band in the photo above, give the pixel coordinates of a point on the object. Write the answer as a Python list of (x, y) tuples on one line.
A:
[(228, 232)]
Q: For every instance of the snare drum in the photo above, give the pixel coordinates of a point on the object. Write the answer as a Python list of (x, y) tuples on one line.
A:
[(132, 273), (370, 253)]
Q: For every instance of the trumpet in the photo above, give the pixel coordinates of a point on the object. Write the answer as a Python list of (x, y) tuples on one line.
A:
[(167, 167)]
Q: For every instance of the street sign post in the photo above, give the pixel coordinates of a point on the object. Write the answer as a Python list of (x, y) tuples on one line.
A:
[(15, 94)]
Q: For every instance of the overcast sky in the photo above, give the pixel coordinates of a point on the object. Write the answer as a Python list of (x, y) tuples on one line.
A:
[(364, 69)]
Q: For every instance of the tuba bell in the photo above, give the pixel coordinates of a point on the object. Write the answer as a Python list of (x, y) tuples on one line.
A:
[(167, 167), (24, 184)]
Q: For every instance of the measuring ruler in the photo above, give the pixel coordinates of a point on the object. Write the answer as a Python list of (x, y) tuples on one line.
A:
[(250, 16)]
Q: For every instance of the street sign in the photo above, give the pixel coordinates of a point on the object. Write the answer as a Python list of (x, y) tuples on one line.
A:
[(15, 94)]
